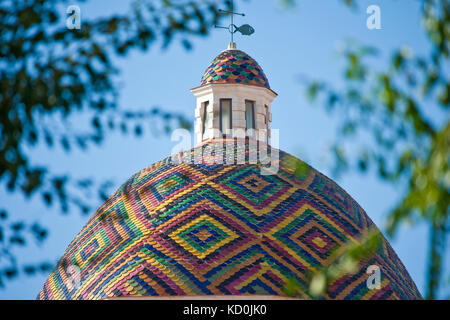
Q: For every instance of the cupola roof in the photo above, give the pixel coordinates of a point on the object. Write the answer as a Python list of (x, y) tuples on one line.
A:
[(235, 66)]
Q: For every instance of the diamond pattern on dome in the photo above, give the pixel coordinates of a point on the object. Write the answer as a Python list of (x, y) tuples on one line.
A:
[(309, 238), (189, 229), (257, 192), (235, 66), (203, 236)]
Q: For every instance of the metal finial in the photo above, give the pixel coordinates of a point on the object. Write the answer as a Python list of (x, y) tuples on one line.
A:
[(245, 29)]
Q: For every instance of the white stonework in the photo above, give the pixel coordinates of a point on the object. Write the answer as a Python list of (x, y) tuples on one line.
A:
[(238, 93)]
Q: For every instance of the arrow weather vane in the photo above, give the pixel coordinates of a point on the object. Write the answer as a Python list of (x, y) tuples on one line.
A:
[(245, 29)]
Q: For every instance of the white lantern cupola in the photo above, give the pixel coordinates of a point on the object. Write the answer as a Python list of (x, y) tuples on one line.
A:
[(233, 99)]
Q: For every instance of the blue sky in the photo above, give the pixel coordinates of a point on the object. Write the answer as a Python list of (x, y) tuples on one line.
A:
[(287, 43)]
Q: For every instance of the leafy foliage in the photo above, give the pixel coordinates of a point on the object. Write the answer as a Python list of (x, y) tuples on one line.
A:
[(50, 75), (346, 260), (397, 120)]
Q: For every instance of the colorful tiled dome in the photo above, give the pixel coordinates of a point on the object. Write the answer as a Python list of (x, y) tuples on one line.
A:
[(235, 66), (215, 229)]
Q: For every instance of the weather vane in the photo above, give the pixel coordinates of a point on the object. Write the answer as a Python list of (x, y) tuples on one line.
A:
[(245, 29)]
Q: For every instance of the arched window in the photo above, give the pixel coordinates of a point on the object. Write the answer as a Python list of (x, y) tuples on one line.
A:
[(225, 115)]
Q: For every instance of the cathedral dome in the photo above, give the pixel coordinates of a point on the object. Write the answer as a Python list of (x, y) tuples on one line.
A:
[(235, 66), (203, 229)]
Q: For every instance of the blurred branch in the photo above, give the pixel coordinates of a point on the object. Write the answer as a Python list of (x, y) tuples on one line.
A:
[(50, 74), (385, 125), (346, 260)]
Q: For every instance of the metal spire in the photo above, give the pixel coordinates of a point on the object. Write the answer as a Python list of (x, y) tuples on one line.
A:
[(232, 28)]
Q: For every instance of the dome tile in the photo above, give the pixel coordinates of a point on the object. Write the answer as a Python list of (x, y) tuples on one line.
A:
[(240, 64), (218, 226)]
